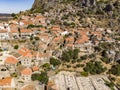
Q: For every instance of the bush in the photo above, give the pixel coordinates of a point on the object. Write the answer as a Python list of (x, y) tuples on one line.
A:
[(70, 54), (83, 57), (92, 56), (52, 22), (97, 48), (1, 50), (84, 73), (33, 26), (54, 61), (16, 47), (79, 60), (43, 78), (36, 38), (46, 66), (115, 69), (13, 15), (14, 75), (105, 59), (94, 68), (68, 66), (78, 65)]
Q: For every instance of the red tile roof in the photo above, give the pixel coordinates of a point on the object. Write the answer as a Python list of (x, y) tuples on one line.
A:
[(11, 60), (35, 68), (5, 81), (25, 52), (26, 71)]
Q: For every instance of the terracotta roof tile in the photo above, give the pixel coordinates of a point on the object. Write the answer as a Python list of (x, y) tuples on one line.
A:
[(35, 68), (39, 17), (5, 81), (11, 60), (14, 31), (26, 31), (26, 71), (55, 28), (24, 51)]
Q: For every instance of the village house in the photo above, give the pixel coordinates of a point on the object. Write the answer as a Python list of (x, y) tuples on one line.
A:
[(83, 43), (56, 30), (46, 38), (11, 63), (4, 35), (36, 61), (14, 26), (44, 57), (42, 46), (43, 30), (69, 46), (14, 34), (58, 40), (40, 20), (51, 47), (7, 82), (26, 74), (2, 26), (69, 40), (26, 33), (26, 57), (3, 56)]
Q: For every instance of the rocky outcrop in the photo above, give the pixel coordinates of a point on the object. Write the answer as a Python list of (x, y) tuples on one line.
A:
[(88, 2), (44, 3), (49, 3)]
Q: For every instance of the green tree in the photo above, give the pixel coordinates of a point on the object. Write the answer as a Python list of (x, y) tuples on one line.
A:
[(94, 67), (43, 78), (13, 15), (83, 57), (69, 55), (54, 61), (36, 38), (110, 84), (84, 73), (115, 69), (105, 59), (16, 47), (46, 66)]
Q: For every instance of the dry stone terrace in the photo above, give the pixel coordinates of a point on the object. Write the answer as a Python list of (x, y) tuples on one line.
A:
[(64, 80)]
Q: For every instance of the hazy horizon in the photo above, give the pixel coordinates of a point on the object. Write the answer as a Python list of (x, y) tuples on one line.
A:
[(14, 6)]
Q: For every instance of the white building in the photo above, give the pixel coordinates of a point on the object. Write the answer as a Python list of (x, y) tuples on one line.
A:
[(4, 35), (26, 74)]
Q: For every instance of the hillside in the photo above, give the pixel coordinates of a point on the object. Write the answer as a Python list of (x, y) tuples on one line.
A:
[(103, 13)]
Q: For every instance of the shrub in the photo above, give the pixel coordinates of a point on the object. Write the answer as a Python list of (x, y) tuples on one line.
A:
[(70, 54), (78, 65), (46, 66), (83, 57), (84, 73), (43, 78), (105, 59), (16, 47), (54, 61), (115, 69), (36, 38), (94, 68), (68, 66)]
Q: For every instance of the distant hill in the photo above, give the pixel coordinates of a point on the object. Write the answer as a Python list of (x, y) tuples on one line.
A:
[(5, 15)]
